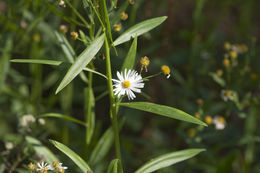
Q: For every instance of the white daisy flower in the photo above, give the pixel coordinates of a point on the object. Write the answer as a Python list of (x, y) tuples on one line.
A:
[(129, 82), (58, 166), (43, 167), (219, 122), (227, 95)]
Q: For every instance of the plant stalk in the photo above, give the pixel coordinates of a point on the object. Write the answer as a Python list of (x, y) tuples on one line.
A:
[(113, 114)]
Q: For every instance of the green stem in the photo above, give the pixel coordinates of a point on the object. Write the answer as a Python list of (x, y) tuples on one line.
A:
[(88, 109), (113, 112)]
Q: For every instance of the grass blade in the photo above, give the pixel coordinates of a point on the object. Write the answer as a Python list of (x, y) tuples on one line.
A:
[(168, 160), (164, 111), (112, 168)]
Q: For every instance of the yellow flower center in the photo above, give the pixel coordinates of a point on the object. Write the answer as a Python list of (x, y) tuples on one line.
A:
[(228, 93), (208, 119), (165, 69), (221, 120), (126, 84)]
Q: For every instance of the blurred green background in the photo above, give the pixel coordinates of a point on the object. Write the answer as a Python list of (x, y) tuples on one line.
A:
[(191, 42)]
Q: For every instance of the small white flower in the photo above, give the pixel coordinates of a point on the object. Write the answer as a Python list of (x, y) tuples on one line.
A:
[(26, 120), (58, 166), (44, 167), (41, 121), (219, 122), (227, 95), (129, 82)]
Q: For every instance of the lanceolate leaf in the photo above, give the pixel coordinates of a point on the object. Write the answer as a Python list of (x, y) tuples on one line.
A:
[(164, 111), (84, 58), (51, 62), (139, 29), (72, 155), (69, 118), (168, 160), (130, 58), (41, 150)]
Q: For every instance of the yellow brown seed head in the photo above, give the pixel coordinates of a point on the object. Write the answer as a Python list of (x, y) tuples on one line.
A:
[(117, 27), (74, 35), (233, 54), (191, 132), (227, 45), (219, 72), (31, 166), (123, 16), (226, 62), (200, 102), (63, 28)]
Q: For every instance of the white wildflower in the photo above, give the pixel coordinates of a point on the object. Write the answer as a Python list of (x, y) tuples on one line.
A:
[(129, 82), (227, 95), (219, 122), (41, 121), (26, 120), (58, 166), (43, 167)]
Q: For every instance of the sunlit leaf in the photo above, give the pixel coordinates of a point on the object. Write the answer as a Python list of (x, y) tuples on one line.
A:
[(164, 111), (168, 160), (84, 58), (72, 155), (139, 29)]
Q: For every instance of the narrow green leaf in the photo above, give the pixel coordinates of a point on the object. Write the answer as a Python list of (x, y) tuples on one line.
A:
[(139, 29), (72, 155), (104, 144), (130, 58), (84, 58), (41, 150), (52, 62), (112, 168), (69, 118), (164, 111), (37, 61), (168, 160)]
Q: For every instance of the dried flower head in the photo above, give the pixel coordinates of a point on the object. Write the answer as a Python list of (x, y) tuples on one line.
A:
[(31, 166), (63, 28), (197, 115), (144, 61), (36, 37), (233, 54), (227, 45), (117, 27), (200, 102), (226, 62), (74, 35), (191, 132), (123, 16), (219, 72)]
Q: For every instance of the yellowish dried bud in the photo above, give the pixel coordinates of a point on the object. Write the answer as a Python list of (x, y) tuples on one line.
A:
[(123, 16), (219, 72), (244, 48), (208, 119), (227, 45), (197, 115), (74, 34), (63, 28), (221, 119), (191, 132), (31, 166), (233, 54), (200, 102), (132, 2), (36, 37), (226, 62), (253, 76), (117, 27)]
